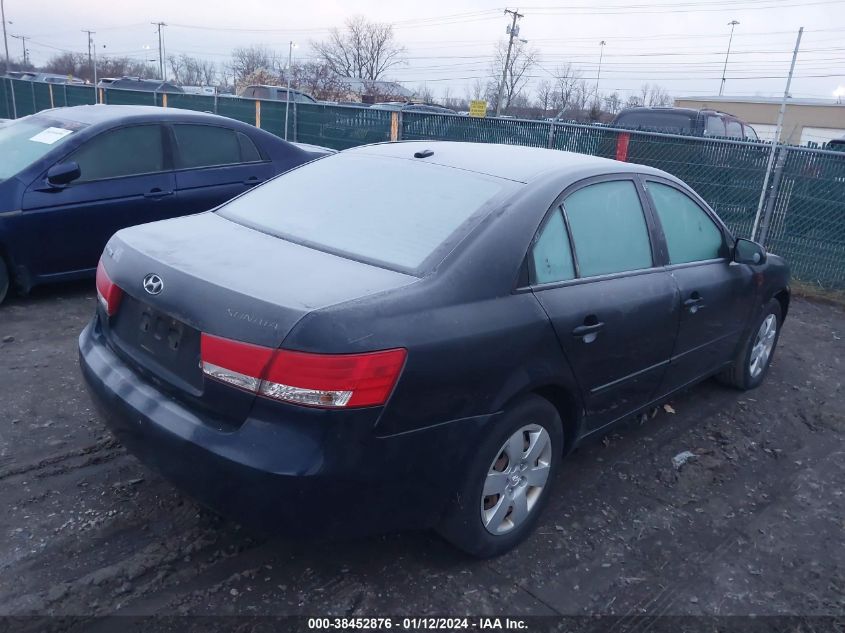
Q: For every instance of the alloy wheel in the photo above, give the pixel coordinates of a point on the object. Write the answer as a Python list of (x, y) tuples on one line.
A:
[(515, 479), (764, 343)]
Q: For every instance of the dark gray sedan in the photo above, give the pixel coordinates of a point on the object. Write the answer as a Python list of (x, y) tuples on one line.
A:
[(419, 334)]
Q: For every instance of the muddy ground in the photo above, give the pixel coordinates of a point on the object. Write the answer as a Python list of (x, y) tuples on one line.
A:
[(753, 524)]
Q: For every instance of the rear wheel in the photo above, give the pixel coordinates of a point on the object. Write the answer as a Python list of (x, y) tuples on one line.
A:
[(4, 280), (755, 357), (507, 483)]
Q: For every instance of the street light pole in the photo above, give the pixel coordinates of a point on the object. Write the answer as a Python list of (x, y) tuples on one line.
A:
[(291, 46), (598, 74), (778, 129), (731, 24), (5, 41)]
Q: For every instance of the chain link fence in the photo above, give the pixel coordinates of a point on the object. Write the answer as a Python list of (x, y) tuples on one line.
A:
[(803, 215)]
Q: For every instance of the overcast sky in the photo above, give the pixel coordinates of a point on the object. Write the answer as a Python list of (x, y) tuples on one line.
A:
[(680, 45)]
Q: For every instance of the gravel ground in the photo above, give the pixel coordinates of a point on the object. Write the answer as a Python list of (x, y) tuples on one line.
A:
[(752, 524)]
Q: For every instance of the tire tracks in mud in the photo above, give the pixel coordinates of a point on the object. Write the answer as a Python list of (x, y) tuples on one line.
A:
[(100, 452)]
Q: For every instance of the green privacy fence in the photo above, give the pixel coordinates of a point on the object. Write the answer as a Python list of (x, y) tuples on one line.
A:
[(804, 211)]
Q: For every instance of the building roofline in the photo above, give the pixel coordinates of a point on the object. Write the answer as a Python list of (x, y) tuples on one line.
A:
[(762, 100)]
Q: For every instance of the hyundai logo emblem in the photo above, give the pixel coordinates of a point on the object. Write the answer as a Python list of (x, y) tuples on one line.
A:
[(153, 284)]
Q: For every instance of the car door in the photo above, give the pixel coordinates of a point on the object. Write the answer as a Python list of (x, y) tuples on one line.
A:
[(125, 180), (715, 292), (613, 307), (214, 164)]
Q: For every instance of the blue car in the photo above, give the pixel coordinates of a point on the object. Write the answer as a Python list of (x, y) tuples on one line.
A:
[(71, 177)]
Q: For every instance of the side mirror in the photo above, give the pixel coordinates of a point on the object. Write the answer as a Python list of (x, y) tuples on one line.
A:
[(63, 174), (748, 252)]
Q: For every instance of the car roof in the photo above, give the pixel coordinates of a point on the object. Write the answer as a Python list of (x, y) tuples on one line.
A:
[(512, 162), (95, 114)]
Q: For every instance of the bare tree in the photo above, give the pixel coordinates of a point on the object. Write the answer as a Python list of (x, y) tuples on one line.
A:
[(568, 83), (192, 71), (612, 103), (545, 96), (659, 97), (318, 80), (363, 49), (425, 94), (477, 90), (247, 60), (522, 59), (76, 64)]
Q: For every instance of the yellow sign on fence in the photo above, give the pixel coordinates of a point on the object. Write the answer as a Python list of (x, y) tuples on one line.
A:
[(478, 108)]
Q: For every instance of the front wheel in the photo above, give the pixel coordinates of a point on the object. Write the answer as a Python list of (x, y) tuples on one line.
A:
[(755, 357), (507, 482)]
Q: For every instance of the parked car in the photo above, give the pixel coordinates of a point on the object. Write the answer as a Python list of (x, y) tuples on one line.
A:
[(71, 177), (423, 108), (52, 78), (136, 83), (276, 93), (421, 343), (837, 144), (685, 121)]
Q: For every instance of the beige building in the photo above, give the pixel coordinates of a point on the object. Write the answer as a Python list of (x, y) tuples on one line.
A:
[(807, 121)]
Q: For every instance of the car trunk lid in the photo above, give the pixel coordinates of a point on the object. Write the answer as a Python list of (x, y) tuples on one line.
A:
[(205, 274)]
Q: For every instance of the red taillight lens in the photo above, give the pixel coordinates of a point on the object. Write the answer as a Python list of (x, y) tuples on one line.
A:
[(317, 380), (108, 292)]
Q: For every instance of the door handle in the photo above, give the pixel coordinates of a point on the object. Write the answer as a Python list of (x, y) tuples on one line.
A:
[(586, 330), (251, 182), (157, 193), (694, 303)]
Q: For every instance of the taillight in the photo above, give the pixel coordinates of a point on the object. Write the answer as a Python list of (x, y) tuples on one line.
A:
[(317, 380), (108, 292)]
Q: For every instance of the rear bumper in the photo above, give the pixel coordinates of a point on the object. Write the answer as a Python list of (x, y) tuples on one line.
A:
[(287, 469)]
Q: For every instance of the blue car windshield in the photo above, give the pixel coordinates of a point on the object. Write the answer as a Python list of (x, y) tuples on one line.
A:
[(26, 140)]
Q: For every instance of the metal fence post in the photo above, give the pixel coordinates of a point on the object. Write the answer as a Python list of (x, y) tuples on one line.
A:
[(14, 105), (773, 194), (551, 143), (295, 122)]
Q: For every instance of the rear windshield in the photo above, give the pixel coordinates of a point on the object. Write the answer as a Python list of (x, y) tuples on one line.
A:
[(389, 211), (675, 122), (26, 140)]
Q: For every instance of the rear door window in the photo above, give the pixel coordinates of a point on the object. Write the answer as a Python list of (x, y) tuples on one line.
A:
[(128, 151), (609, 230), (551, 256), (715, 126), (691, 235), (211, 146), (734, 128), (750, 134)]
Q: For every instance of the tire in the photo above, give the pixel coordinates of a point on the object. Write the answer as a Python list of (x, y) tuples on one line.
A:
[(745, 373), (4, 280), (511, 514)]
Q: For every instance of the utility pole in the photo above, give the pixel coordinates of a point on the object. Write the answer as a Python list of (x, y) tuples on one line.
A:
[(778, 128), (161, 69), (731, 24), (5, 41), (92, 60), (598, 74), (287, 93), (513, 31), (22, 38)]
